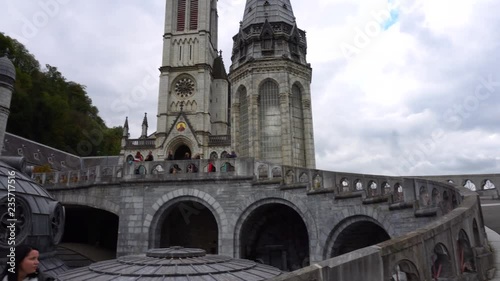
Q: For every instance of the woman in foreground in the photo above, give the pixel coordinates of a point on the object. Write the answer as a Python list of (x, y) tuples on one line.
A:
[(26, 266)]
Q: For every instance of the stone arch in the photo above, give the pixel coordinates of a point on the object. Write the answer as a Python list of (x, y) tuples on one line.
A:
[(299, 85), (487, 185), (241, 89), (267, 80), (399, 193), (354, 220), (214, 155), (358, 185), (155, 214), (289, 200), (344, 185), (441, 262), (177, 142), (386, 188), (405, 270), (424, 197), (158, 169), (436, 197), (269, 121), (469, 184), (243, 120), (372, 189), (465, 254), (88, 201)]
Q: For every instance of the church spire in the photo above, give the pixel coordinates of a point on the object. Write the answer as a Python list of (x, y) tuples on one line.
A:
[(125, 128), (268, 30), (144, 126)]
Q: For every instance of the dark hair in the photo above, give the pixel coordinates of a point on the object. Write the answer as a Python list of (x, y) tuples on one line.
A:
[(22, 252)]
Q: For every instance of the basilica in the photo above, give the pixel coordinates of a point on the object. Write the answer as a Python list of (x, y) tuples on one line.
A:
[(261, 109)]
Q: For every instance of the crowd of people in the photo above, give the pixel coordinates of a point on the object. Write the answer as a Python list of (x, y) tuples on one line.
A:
[(174, 169), (170, 156)]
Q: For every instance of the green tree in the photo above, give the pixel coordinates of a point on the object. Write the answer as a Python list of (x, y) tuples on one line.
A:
[(47, 108)]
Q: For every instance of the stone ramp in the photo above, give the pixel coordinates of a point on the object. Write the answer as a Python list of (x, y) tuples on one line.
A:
[(76, 255)]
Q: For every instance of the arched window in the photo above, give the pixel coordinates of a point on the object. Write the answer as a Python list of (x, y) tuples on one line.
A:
[(243, 122), (441, 263), (193, 15), (181, 15), (465, 253), (270, 122), (191, 11), (298, 128)]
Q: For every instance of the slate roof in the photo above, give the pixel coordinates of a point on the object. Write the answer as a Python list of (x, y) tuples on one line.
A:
[(257, 11), (37, 154), (174, 263)]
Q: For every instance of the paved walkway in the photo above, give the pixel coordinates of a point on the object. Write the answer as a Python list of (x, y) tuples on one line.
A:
[(494, 239)]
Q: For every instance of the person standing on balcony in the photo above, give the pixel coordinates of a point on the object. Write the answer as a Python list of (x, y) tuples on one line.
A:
[(170, 155), (149, 157), (138, 157)]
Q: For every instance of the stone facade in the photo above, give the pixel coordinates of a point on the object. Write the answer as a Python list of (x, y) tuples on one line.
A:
[(200, 107)]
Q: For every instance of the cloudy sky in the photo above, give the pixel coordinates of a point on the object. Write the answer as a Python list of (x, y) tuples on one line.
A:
[(399, 87)]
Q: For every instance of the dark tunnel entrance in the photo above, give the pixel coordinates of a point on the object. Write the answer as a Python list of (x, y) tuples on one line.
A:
[(357, 235), (190, 225), (276, 235), (91, 226)]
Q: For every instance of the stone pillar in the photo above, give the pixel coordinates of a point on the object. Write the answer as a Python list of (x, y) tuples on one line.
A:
[(286, 127), (254, 133), (7, 82)]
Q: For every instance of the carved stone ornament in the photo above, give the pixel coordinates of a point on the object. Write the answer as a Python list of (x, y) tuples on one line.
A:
[(57, 218), (184, 87), (15, 220)]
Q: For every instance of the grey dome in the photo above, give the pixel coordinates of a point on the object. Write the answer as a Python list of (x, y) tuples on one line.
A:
[(39, 217), (174, 263), (7, 71), (258, 11)]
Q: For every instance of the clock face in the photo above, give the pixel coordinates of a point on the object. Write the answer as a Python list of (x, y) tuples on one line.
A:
[(184, 87)]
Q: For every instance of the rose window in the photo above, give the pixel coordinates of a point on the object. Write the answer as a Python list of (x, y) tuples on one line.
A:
[(184, 87)]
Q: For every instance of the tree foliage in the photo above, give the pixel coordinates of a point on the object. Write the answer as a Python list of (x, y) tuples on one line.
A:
[(47, 108)]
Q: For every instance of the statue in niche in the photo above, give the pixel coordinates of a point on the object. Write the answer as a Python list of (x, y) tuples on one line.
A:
[(317, 183), (263, 171), (290, 176), (276, 172), (304, 178)]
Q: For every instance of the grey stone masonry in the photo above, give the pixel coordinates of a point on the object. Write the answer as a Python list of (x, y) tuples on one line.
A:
[(327, 202)]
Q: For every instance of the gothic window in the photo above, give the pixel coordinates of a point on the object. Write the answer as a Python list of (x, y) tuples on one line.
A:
[(270, 122), (243, 122), (187, 15), (184, 87), (193, 16), (242, 50), (298, 128), (181, 15)]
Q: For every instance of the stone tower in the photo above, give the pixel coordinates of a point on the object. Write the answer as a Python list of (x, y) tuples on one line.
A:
[(270, 86), (193, 101), (7, 80)]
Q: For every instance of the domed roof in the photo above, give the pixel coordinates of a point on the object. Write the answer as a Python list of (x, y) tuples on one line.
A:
[(174, 263), (257, 11), (38, 217), (7, 70)]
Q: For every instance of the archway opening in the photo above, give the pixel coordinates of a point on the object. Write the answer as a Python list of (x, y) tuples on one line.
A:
[(357, 235), (89, 232), (191, 225), (275, 234), (181, 151)]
